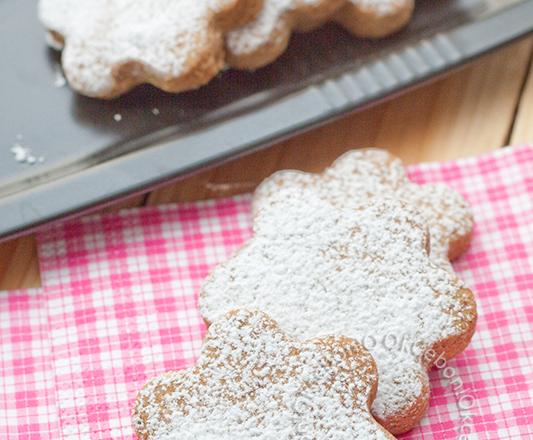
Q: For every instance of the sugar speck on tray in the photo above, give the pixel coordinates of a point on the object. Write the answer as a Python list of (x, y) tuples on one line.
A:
[(59, 79), (117, 117), (23, 154), (155, 111)]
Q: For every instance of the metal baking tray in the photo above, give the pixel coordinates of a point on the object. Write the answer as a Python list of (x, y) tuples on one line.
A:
[(87, 152)]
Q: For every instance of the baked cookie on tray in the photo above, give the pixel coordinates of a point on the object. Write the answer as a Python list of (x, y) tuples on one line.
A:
[(363, 272), (252, 380), (375, 18), (110, 46), (264, 39), (360, 174)]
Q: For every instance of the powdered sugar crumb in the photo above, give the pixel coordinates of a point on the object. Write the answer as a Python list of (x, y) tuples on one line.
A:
[(59, 78), (24, 154)]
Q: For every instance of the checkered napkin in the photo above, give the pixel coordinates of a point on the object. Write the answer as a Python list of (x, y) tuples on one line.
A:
[(119, 305)]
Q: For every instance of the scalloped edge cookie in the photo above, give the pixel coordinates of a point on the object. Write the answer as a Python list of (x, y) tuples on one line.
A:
[(253, 380), (375, 18), (370, 172), (110, 47), (264, 39)]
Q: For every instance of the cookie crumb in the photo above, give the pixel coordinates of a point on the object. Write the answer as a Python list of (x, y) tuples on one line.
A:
[(59, 79), (23, 154)]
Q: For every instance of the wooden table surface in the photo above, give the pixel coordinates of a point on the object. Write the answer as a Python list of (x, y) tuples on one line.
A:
[(484, 106)]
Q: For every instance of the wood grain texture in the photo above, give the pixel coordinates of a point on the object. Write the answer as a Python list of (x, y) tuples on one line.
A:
[(130, 202), (523, 125), (469, 112), (19, 267)]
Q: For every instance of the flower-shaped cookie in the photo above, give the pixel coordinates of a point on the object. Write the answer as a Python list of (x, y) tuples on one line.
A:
[(364, 273), (360, 174), (254, 381), (264, 39), (110, 46), (375, 18)]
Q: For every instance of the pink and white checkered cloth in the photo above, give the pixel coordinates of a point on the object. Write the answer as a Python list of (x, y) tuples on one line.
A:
[(119, 305)]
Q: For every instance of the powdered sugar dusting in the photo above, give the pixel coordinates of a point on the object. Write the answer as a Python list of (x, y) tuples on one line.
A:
[(361, 273), (253, 381), (259, 32), (360, 174), (272, 22), (101, 35)]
